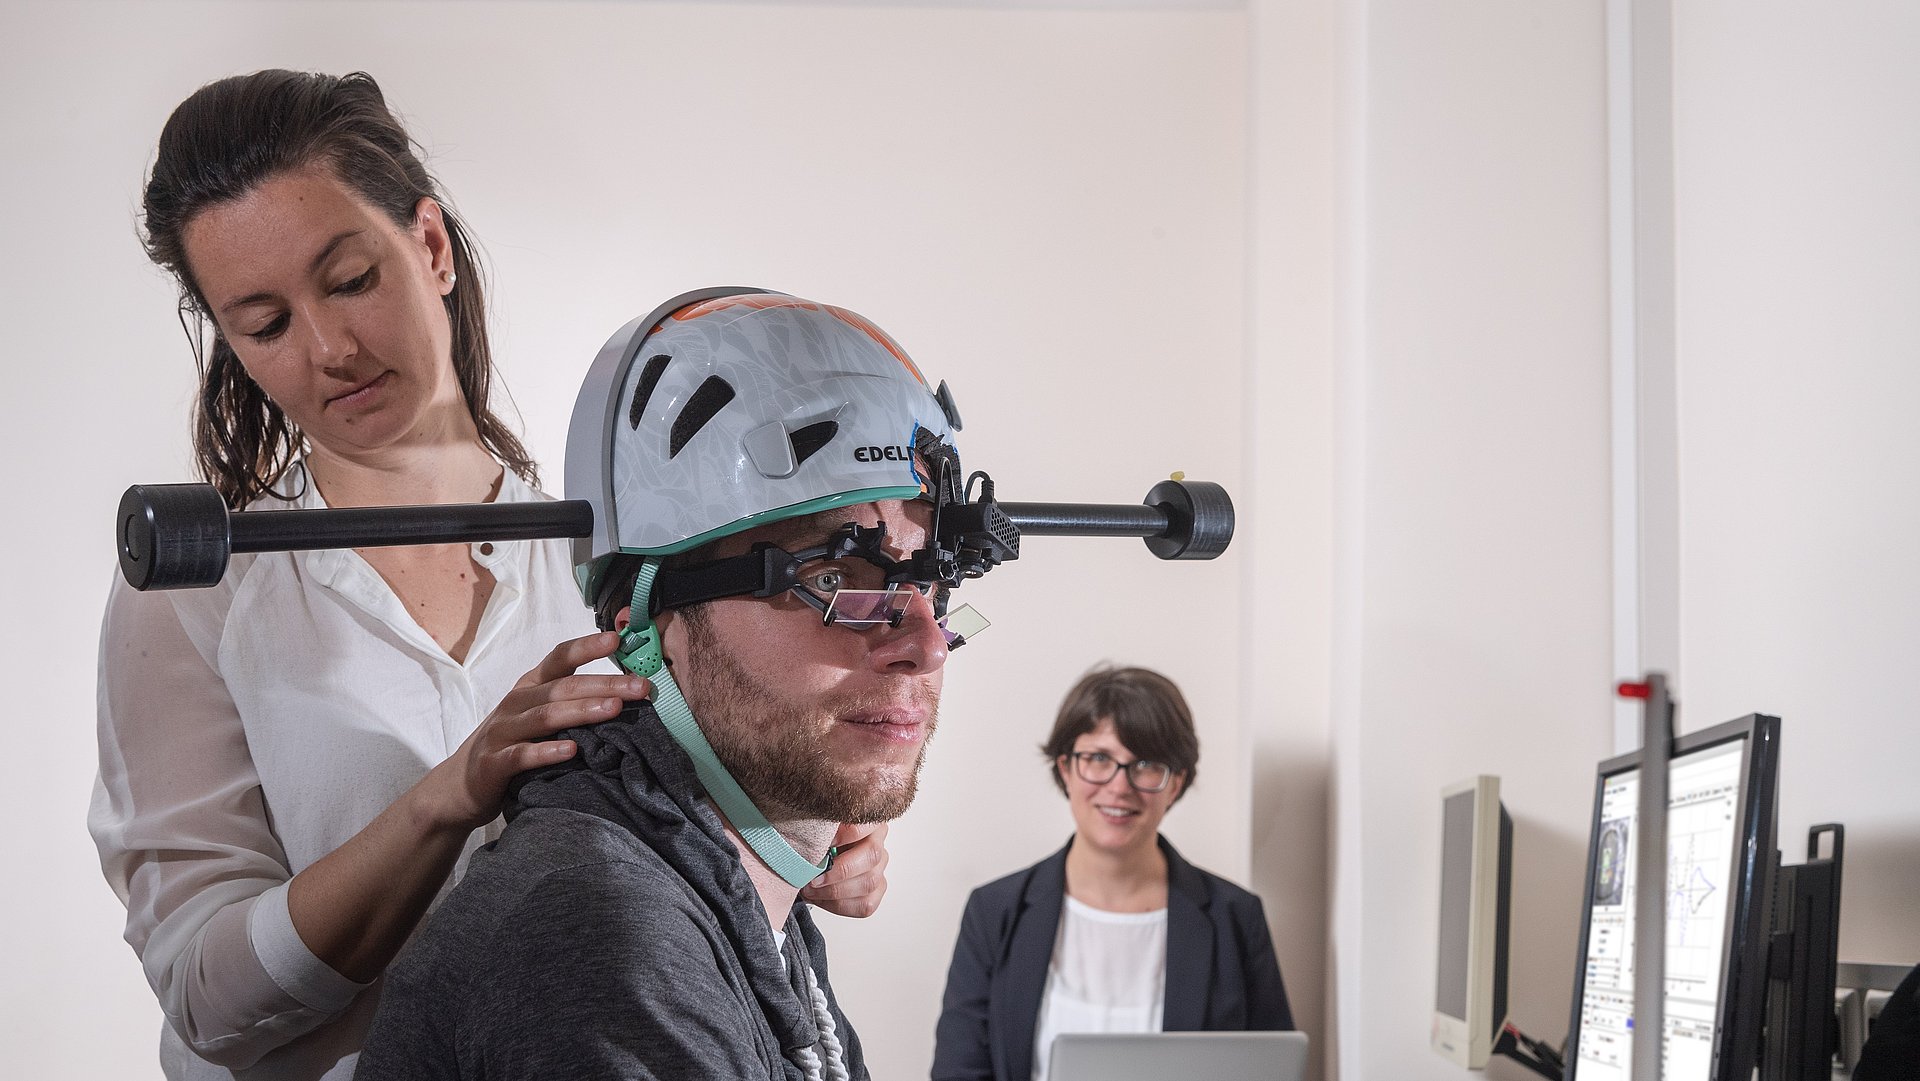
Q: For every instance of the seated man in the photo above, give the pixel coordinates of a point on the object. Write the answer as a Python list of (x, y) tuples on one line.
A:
[(766, 545)]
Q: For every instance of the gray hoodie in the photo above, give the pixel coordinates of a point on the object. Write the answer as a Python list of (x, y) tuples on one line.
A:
[(611, 932)]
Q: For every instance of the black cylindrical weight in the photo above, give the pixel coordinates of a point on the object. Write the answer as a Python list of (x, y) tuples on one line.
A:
[(1199, 519), (172, 536)]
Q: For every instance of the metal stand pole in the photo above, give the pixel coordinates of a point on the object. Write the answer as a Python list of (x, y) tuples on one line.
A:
[(1650, 878)]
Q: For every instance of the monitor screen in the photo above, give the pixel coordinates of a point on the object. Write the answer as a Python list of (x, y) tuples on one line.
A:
[(1456, 904), (1470, 970), (1719, 851)]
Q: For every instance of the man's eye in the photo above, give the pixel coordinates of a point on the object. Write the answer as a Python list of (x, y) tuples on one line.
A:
[(1097, 759), (825, 581), (358, 284)]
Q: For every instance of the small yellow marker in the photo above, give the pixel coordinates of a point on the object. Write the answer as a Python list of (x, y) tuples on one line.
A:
[(1178, 474)]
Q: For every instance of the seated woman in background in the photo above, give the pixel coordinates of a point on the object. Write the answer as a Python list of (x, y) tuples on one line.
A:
[(1115, 932)]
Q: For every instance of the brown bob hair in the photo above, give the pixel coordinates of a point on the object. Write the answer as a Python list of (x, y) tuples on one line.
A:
[(1149, 714)]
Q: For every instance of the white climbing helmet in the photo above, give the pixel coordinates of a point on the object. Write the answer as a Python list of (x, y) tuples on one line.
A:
[(729, 408)]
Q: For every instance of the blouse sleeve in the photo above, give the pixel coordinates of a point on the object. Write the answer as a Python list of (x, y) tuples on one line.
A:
[(185, 840)]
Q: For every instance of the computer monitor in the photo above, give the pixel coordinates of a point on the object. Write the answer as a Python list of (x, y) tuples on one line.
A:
[(1721, 786), (1476, 871)]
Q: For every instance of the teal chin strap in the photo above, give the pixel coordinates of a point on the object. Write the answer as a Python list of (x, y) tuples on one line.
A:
[(640, 654)]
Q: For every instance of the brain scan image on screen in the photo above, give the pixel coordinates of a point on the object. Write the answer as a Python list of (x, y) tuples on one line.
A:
[(1610, 874)]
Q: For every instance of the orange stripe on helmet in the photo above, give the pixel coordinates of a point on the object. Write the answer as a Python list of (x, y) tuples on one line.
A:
[(750, 301), (861, 323), (758, 301)]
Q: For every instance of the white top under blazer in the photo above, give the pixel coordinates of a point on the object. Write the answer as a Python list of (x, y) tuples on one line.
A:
[(1108, 974)]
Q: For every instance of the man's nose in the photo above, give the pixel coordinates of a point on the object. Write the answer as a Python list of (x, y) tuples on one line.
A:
[(917, 645)]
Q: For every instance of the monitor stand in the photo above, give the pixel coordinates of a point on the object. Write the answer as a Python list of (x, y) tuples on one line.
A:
[(1546, 1061)]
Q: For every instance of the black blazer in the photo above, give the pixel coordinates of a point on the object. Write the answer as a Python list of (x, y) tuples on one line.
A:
[(1221, 971)]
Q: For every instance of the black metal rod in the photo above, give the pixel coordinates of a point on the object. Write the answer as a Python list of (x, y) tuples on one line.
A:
[(1086, 519), (174, 536), (379, 527)]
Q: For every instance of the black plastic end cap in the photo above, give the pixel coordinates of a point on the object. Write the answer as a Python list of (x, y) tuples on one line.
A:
[(172, 536), (1199, 519)]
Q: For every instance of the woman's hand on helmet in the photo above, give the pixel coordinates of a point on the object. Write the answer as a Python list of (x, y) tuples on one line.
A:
[(857, 881), (465, 792)]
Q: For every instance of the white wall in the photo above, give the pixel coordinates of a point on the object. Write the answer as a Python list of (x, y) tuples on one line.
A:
[(1471, 493), (1286, 522), (1044, 206), (1798, 244)]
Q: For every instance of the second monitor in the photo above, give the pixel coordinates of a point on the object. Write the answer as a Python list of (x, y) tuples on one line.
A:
[(1720, 854), (1476, 871)]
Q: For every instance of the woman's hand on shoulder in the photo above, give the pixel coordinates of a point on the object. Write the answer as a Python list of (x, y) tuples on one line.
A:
[(857, 881), (465, 792)]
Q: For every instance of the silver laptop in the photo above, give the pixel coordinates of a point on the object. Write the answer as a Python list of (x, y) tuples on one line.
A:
[(1156, 1056)]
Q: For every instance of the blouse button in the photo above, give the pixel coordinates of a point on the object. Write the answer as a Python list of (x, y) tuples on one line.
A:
[(486, 548)]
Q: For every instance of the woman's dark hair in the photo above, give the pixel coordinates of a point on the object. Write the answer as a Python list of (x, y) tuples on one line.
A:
[(222, 143), (1149, 715)]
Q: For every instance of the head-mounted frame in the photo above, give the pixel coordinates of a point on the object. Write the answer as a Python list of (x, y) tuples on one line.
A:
[(969, 538)]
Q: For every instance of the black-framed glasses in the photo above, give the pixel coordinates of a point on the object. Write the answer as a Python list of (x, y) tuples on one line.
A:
[(1098, 767), (850, 581)]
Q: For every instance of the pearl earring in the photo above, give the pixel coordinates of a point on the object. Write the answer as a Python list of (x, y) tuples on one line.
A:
[(448, 276)]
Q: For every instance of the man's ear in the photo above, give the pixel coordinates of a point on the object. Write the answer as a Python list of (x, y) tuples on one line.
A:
[(622, 618)]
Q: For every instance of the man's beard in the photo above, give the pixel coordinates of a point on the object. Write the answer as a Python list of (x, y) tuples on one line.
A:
[(777, 750)]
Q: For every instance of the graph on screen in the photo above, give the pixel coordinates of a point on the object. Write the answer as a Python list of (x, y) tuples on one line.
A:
[(1703, 807)]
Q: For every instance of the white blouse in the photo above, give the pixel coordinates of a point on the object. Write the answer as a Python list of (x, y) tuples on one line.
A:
[(1108, 974), (249, 729)]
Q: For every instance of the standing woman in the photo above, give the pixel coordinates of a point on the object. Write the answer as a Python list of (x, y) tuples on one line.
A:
[(293, 763), (1115, 932)]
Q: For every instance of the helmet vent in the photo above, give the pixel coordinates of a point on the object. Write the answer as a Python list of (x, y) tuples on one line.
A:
[(809, 440), (713, 396), (649, 378)]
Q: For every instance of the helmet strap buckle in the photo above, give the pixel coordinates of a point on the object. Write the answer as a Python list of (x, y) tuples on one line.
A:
[(639, 650)]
